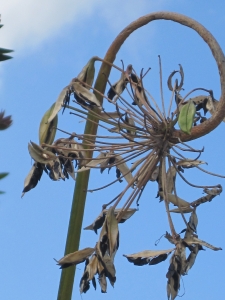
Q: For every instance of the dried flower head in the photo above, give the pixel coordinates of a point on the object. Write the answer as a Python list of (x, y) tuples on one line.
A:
[(140, 145)]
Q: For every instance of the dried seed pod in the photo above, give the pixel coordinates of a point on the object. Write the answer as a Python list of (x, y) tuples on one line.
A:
[(170, 179), (150, 257), (101, 158), (186, 117), (81, 93), (211, 105), (173, 286), (47, 130), (98, 222), (89, 273), (138, 90), (192, 257), (62, 98), (194, 240), (177, 200), (201, 200), (109, 268), (173, 275), (102, 282), (33, 177), (214, 191), (55, 170), (183, 209), (39, 154), (69, 168), (84, 282), (75, 258), (118, 87), (122, 166), (155, 174), (158, 259), (110, 159), (112, 232), (88, 72), (190, 163), (193, 221), (130, 121)]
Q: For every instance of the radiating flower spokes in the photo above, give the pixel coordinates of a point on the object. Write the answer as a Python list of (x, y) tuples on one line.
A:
[(140, 146)]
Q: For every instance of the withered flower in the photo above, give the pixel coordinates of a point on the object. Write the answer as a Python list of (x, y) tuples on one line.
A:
[(139, 145)]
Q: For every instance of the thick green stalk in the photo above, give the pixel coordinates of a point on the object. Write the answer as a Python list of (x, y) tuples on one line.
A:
[(78, 205), (73, 236)]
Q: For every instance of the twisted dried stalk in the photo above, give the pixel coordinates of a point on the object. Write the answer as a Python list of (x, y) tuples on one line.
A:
[(77, 210)]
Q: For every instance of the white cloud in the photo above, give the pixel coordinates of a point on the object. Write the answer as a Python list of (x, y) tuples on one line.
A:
[(30, 22)]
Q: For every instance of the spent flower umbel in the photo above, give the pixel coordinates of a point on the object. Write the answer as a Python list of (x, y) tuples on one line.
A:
[(140, 146)]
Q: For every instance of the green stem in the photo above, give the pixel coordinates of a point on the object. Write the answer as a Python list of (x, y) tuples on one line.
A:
[(79, 198), (73, 236)]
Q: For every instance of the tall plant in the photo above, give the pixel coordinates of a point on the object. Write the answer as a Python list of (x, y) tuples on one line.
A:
[(137, 131)]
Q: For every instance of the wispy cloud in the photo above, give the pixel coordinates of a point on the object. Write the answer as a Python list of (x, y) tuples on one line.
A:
[(28, 23)]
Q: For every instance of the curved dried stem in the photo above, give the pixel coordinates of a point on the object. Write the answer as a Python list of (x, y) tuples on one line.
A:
[(217, 53)]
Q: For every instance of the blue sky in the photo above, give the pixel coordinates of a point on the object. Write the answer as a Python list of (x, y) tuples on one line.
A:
[(52, 43)]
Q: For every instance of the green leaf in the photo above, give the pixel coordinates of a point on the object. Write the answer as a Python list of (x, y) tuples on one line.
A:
[(3, 175), (4, 57), (186, 117), (3, 50)]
